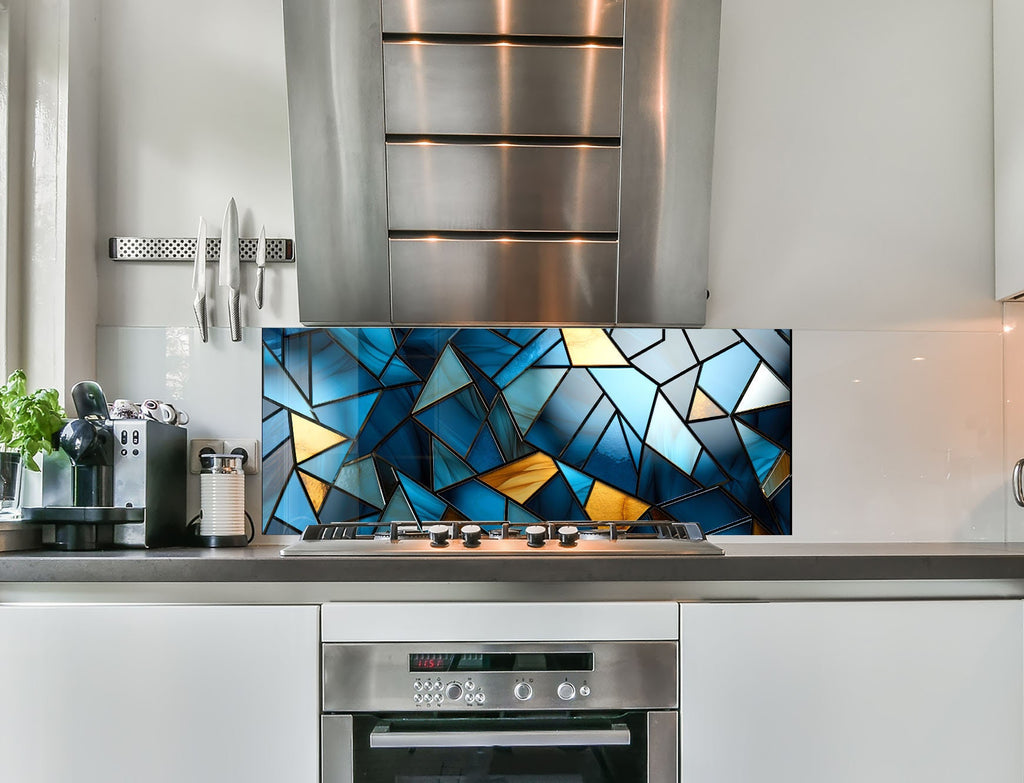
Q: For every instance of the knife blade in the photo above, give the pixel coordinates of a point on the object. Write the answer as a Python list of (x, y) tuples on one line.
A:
[(261, 262), (229, 274), (199, 281)]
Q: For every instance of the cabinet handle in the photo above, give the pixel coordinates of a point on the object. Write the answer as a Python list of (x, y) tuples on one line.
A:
[(1018, 487)]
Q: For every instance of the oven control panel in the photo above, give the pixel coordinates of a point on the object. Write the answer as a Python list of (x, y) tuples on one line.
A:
[(513, 676)]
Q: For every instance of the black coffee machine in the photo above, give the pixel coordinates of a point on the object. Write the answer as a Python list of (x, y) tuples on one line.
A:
[(112, 482)]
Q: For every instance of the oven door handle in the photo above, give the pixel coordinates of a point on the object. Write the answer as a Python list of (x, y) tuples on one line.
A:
[(383, 737)]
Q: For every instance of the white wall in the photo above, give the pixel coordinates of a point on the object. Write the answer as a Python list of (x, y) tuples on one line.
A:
[(852, 203)]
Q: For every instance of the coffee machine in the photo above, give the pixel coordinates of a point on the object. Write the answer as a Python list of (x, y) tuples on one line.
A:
[(114, 482)]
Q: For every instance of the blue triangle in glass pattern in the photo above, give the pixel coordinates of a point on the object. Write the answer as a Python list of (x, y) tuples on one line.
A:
[(719, 437), (707, 342), (372, 346), (671, 438), (342, 507), (668, 358), (336, 373), (707, 473), (762, 453), (270, 408), (275, 527), (272, 339), (782, 506), (579, 483), (294, 507), (456, 420), (630, 392), (447, 377), (392, 407), (775, 424), (276, 430), (660, 481), (633, 341), (407, 449), (448, 468), (488, 391), (520, 336), (636, 446), (485, 348), (565, 411), (398, 509), (773, 348), (518, 515), (528, 394), (428, 507), (484, 454), (279, 387), (505, 433), (420, 347), (611, 461), (397, 373), (277, 469), (679, 392), (713, 509), (476, 501), (555, 357), (296, 360), (347, 416), (586, 439), (556, 502), (725, 376), (358, 479), (530, 353)]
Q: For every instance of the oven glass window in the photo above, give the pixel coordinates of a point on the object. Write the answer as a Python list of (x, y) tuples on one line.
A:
[(482, 759)]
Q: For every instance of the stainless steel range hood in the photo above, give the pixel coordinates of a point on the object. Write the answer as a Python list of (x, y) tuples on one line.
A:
[(502, 161)]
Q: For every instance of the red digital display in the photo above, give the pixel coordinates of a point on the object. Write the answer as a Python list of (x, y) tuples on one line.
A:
[(430, 662)]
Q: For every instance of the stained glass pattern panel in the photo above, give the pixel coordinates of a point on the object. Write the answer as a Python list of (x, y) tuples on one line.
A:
[(376, 424)]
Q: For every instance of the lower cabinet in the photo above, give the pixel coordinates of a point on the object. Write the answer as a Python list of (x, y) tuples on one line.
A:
[(161, 694), (907, 692)]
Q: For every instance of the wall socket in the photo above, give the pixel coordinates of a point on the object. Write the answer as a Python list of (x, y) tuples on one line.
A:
[(250, 447)]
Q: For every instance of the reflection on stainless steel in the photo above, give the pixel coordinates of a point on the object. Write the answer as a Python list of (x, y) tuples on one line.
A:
[(443, 88), (336, 749), (501, 187), (375, 677), (460, 278), (336, 122), (593, 18), (616, 734), (668, 129), (663, 751)]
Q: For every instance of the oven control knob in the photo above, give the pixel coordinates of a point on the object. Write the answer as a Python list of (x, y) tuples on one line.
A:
[(522, 691), (568, 535), (535, 535), (471, 535), (453, 692), (566, 691), (584, 690), (438, 535)]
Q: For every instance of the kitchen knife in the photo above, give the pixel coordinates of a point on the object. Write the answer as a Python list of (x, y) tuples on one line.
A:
[(199, 281), (261, 262), (229, 275)]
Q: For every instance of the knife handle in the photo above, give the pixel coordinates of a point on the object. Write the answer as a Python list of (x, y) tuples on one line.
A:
[(199, 306), (258, 293), (234, 317)]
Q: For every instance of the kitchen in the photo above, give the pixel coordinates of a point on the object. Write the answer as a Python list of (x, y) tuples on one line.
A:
[(852, 202)]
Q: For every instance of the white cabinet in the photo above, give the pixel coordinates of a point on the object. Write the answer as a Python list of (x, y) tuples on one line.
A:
[(161, 694), (1008, 128), (907, 692)]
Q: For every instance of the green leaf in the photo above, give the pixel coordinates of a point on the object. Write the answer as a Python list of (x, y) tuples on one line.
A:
[(28, 421)]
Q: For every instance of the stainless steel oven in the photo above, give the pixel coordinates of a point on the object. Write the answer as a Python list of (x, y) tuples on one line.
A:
[(517, 712)]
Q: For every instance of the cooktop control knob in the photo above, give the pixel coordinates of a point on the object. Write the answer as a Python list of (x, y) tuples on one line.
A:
[(535, 535), (453, 692), (522, 691), (438, 535), (566, 691), (471, 535), (568, 535)]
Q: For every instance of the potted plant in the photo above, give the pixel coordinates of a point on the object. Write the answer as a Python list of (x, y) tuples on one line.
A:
[(28, 423)]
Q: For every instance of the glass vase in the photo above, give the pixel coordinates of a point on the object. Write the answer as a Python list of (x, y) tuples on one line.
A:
[(11, 469)]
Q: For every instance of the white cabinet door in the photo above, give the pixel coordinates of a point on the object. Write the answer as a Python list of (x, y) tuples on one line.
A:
[(1008, 119), (886, 692), (161, 694)]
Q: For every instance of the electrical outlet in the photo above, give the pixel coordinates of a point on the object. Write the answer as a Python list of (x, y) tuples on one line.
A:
[(250, 449), (197, 446)]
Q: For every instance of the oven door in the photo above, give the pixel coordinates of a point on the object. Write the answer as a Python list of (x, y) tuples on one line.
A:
[(631, 747)]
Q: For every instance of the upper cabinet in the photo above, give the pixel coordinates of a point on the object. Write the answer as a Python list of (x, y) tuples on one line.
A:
[(1008, 107), (488, 161)]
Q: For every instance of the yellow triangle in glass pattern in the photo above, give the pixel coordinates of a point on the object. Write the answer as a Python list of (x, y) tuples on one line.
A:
[(607, 504), (310, 438), (704, 407), (521, 479), (316, 489), (592, 348)]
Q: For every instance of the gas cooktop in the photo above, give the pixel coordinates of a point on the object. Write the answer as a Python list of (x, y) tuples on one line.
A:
[(458, 539)]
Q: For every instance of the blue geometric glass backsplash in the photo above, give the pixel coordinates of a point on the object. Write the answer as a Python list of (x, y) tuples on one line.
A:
[(528, 425)]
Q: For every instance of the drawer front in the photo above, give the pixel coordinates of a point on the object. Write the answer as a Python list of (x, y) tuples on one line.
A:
[(597, 18), (510, 281), (502, 187), (502, 89)]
